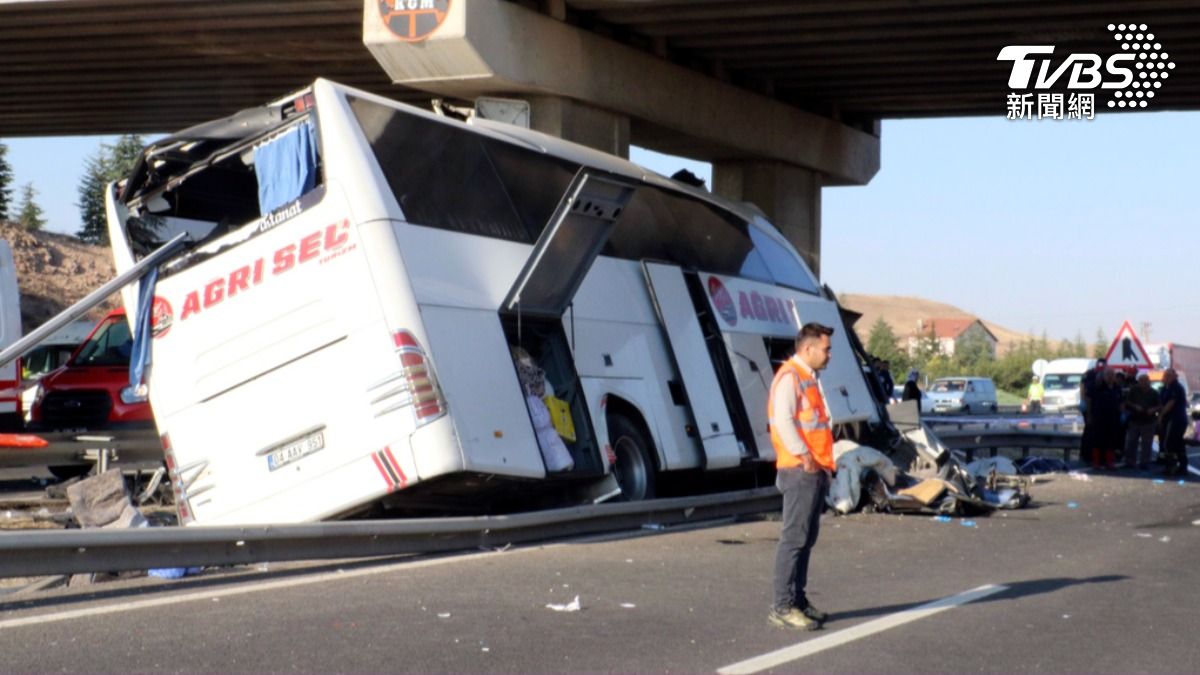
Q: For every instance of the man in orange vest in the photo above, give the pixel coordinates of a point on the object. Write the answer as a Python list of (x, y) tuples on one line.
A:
[(803, 441)]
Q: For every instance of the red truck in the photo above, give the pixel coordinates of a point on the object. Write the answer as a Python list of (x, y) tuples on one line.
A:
[(1184, 359)]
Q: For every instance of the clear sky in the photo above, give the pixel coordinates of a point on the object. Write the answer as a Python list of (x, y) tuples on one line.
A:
[(1061, 226)]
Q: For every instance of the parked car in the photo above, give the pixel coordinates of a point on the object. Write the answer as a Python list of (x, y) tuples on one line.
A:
[(91, 391), (926, 402), (963, 395)]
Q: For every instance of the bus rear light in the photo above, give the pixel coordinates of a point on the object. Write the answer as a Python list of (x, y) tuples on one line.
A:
[(427, 401), (182, 507)]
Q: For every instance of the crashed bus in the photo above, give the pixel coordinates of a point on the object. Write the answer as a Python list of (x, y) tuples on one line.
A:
[(371, 295)]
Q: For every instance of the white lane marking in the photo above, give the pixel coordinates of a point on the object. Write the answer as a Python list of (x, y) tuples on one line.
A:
[(239, 590), (810, 647)]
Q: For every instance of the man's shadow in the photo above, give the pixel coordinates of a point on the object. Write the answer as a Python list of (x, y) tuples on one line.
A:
[(1016, 589)]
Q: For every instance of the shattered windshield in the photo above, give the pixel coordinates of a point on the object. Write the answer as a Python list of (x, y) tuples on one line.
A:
[(217, 177)]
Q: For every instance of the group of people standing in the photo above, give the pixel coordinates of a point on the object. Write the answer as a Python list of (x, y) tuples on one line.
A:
[(1123, 416)]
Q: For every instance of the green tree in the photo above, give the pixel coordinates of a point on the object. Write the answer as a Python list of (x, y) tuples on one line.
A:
[(1081, 349), (109, 163), (91, 198), (882, 342), (6, 177), (30, 215), (1100, 349)]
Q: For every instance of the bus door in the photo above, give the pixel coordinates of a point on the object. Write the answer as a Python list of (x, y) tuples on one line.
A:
[(532, 312), (710, 409)]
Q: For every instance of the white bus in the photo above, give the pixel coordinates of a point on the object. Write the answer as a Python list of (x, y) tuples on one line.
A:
[(341, 333)]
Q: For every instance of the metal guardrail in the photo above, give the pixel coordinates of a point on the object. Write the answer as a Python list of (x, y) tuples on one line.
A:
[(81, 551), (971, 441)]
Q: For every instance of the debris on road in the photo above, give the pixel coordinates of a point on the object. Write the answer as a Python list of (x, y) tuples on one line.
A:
[(572, 606)]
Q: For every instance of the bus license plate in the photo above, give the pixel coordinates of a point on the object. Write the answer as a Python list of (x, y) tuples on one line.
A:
[(295, 450)]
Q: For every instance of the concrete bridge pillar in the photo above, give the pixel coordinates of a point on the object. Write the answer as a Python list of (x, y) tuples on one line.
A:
[(595, 91), (581, 123), (789, 195)]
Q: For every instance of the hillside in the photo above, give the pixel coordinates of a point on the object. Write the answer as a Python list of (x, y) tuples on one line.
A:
[(902, 312), (54, 271)]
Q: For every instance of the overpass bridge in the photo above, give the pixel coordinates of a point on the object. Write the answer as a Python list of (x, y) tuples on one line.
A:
[(782, 97)]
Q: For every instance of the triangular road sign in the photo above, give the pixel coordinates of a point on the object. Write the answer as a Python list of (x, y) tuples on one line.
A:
[(1127, 350)]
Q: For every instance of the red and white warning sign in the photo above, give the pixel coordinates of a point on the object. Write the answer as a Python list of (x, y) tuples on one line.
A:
[(1127, 351)]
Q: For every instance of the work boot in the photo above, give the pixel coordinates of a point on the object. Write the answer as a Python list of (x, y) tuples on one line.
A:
[(815, 614), (1110, 460), (792, 618)]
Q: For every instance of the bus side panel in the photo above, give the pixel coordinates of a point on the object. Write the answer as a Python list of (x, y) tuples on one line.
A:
[(768, 311), (614, 315), (477, 376), (752, 367), (638, 378)]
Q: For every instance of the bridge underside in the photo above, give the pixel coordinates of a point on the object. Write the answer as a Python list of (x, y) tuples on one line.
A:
[(112, 66)]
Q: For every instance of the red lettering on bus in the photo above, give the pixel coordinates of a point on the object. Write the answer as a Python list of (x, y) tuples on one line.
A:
[(214, 292), (756, 300), (310, 247), (191, 305), (334, 238), (239, 280), (744, 308), (285, 259)]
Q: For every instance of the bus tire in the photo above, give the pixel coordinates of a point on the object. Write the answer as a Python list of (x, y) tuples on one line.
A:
[(634, 469)]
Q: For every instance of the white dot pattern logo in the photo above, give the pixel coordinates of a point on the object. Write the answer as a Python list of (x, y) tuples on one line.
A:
[(1148, 63)]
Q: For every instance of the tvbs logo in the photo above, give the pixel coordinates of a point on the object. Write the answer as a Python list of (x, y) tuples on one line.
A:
[(1085, 68), (1132, 74)]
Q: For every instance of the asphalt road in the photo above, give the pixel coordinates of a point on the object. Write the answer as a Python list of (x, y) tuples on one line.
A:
[(1109, 585)]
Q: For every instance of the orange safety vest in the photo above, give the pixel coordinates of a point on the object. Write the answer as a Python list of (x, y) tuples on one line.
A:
[(812, 420)]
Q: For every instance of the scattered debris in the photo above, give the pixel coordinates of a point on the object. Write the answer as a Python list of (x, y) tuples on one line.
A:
[(653, 526), (444, 615), (628, 605), (969, 523), (1080, 476), (572, 606), (1072, 505), (1038, 465), (1159, 481), (1144, 535), (1165, 539)]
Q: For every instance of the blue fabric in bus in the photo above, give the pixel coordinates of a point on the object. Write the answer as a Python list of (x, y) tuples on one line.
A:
[(286, 168), (140, 356)]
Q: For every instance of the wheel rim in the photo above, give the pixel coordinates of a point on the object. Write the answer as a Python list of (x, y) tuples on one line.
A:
[(632, 472)]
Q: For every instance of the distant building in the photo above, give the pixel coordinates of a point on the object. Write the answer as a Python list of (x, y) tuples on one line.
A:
[(950, 333)]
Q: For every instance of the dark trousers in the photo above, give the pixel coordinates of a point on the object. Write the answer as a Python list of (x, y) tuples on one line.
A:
[(1174, 447), (803, 499)]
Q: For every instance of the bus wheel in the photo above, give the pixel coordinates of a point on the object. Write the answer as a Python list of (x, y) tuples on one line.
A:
[(634, 469)]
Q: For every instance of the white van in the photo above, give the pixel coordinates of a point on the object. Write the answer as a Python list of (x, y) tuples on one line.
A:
[(50, 354), (1061, 380), (346, 338), (963, 395), (11, 415)]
